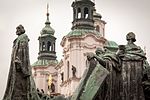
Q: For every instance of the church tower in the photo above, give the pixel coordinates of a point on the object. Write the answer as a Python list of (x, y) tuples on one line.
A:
[(44, 68), (47, 42), (83, 14), (82, 38)]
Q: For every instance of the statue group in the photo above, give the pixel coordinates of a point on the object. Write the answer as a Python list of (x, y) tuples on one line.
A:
[(121, 75), (124, 75)]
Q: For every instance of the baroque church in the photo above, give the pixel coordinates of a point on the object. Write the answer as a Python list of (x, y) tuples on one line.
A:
[(86, 35)]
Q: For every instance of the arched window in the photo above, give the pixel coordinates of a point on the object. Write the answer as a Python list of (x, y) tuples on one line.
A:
[(54, 47), (103, 32), (62, 76), (86, 13), (97, 28), (68, 69), (43, 46), (74, 13), (48, 46), (79, 13), (40, 47)]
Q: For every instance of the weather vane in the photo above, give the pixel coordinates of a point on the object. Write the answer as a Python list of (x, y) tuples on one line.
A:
[(94, 1), (145, 50), (47, 9)]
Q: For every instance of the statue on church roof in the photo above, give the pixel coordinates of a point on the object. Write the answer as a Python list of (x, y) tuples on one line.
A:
[(73, 71)]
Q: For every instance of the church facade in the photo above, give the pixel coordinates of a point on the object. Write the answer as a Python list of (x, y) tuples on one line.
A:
[(86, 35)]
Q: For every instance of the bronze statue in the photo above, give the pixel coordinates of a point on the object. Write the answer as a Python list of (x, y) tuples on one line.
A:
[(100, 85), (111, 85), (20, 84), (128, 78), (132, 70)]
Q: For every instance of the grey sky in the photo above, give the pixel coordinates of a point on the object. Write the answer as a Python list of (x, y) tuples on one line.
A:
[(122, 16)]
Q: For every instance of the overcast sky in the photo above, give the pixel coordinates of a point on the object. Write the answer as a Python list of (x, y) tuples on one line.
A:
[(122, 16)]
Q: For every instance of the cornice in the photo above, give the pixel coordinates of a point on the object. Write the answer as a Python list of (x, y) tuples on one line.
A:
[(59, 65)]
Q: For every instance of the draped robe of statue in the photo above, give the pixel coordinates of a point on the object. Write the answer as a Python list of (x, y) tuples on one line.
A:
[(132, 73), (111, 86), (146, 80), (20, 84), (102, 79)]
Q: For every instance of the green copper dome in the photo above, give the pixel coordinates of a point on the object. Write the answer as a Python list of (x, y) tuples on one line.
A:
[(82, 0), (111, 45), (44, 62), (80, 32), (47, 30)]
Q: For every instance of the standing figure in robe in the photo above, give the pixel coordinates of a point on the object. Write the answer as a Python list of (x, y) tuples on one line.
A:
[(20, 84), (104, 80), (111, 86), (133, 59)]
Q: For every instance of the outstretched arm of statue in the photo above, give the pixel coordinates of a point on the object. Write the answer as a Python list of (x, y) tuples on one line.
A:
[(100, 60), (90, 56)]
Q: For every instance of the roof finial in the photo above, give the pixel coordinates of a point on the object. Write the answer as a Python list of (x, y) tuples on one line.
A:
[(47, 7), (47, 10), (94, 1), (145, 50), (47, 14)]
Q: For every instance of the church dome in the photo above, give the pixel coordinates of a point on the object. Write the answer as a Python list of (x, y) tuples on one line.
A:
[(111, 45), (82, 0), (81, 32), (47, 30)]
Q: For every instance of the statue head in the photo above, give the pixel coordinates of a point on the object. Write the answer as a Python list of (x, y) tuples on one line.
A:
[(121, 50), (130, 37), (20, 30), (99, 51)]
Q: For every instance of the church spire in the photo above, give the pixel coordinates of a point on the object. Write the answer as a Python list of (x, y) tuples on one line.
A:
[(47, 30), (47, 41), (94, 1), (145, 50), (47, 14)]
